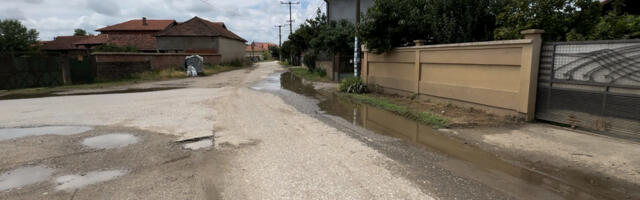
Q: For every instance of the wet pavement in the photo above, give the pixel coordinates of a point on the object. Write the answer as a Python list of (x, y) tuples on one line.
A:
[(24, 176), (110, 141), (461, 159), (13, 133)]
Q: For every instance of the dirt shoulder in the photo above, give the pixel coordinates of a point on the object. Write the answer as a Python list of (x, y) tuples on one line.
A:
[(595, 162), (143, 82)]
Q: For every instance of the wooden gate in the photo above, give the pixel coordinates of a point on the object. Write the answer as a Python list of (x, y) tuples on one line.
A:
[(593, 85)]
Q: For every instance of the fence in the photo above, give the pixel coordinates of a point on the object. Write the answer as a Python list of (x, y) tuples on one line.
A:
[(593, 85), (25, 71), (499, 76), (157, 61)]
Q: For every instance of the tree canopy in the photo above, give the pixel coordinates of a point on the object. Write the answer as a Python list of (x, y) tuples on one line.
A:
[(79, 32), (394, 23), (318, 35), (15, 37)]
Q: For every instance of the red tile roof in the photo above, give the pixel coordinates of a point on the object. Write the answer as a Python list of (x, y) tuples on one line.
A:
[(64, 43), (260, 46), (137, 25), (199, 27), (98, 39)]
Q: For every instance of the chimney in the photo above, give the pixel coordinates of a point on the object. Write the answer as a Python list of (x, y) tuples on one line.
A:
[(144, 21)]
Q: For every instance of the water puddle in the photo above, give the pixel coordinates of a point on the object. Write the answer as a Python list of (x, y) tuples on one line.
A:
[(463, 160), (24, 176), (14, 133), (75, 181), (110, 141)]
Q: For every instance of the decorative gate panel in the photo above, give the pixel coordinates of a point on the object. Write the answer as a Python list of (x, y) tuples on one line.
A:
[(593, 85)]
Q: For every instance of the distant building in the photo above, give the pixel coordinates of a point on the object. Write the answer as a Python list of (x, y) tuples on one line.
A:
[(257, 50), (346, 9), (65, 45), (627, 6), (198, 35), (137, 33)]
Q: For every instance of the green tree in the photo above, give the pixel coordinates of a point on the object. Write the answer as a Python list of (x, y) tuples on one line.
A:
[(79, 32), (275, 51), (15, 37), (557, 18)]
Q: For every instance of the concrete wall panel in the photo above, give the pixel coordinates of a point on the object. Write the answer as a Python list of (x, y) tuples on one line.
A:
[(477, 56), (498, 76)]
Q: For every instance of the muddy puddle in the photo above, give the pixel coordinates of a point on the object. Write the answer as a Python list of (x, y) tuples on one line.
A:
[(75, 181), (24, 176), (80, 92), (110, 141), (15, 133), (462, 159)]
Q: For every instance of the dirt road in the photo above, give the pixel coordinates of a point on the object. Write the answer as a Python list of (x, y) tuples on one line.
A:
[(263, 149), (244, 134)]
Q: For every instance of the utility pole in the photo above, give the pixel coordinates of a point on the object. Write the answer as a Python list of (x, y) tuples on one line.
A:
[(290, 23), (356, 52), (290, 19), (280, 41)]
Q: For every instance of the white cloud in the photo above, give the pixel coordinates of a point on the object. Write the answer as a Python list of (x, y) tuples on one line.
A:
[(253, 20)]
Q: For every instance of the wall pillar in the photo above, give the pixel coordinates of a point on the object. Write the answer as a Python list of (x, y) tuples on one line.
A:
[(529, 72), (416, 71), (364, 71)]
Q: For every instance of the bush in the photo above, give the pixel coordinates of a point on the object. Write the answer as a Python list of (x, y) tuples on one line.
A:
[(353, 85), (321, 72), (310, 61)]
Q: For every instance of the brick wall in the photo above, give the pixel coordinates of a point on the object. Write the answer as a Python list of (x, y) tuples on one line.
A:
[(157, 61)]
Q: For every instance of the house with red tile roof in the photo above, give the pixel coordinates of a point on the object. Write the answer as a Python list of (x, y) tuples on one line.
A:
[(65, 45), (138, 33), (198, 35), (257, 50)]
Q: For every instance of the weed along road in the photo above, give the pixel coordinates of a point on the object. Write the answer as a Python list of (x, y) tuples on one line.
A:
[(255, 133)]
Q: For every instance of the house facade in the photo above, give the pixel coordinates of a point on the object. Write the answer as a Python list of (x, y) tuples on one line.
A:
[(138, 33), (257, 50), (198, 35)]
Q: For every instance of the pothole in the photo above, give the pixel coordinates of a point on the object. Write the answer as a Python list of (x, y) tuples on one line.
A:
[(75, 181), (13, 133), (198, 143), (24, 176), (110, 141)]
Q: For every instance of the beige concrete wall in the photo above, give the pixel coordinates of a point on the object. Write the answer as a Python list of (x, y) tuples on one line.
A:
[(499, 76), (230, 49)]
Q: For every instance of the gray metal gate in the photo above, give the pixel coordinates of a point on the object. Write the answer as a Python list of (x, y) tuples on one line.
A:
[(593, 85)]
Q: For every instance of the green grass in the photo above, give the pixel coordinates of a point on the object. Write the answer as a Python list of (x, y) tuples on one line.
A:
[(303, 73), (165, 74), (423, 117)]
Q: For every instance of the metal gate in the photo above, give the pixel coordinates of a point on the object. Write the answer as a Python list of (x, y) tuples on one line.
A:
[(81, 69), (593, 85)]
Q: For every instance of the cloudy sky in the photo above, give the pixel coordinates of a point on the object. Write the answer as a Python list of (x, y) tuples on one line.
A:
[(253, 20)]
